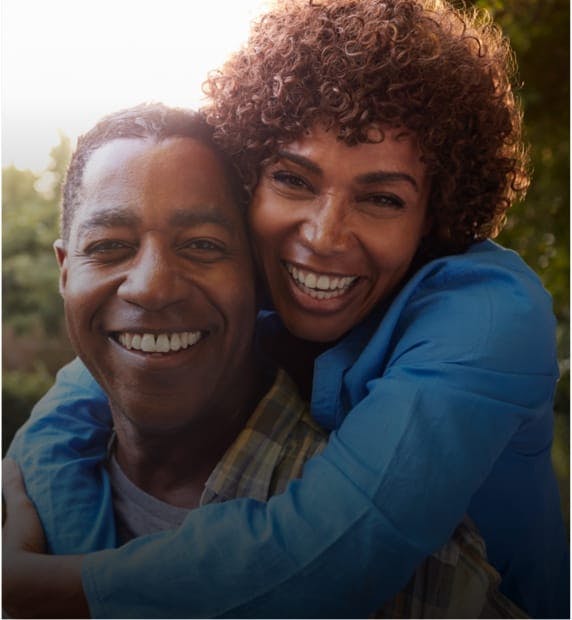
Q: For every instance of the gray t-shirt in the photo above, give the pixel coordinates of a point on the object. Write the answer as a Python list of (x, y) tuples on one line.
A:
[(137, 513)]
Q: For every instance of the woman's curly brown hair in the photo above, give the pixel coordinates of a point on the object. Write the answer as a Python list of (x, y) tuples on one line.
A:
[(444, 74)]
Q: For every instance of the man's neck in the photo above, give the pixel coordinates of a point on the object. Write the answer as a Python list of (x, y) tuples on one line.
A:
[(174, 465)]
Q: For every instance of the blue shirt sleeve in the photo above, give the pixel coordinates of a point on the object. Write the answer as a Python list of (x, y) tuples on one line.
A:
[(456, 376), (464, 375), (60, 450)]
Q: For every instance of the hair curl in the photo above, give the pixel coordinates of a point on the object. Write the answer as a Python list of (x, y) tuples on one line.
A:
[(444, 74)]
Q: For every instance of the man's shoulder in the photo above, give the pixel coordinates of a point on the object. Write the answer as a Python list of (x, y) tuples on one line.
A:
[(277, 440), (285, 418)]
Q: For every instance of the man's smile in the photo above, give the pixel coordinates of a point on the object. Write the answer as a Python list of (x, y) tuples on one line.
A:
[(165, 342)]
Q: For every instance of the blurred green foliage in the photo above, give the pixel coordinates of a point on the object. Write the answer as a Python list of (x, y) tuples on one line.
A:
[(30, 225), (538, 228), (34, 339)]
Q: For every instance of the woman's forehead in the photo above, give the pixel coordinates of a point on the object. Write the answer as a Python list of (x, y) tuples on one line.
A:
[(382, 141)]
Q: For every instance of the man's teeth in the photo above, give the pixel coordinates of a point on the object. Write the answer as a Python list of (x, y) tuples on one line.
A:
[(159, 343), (320, 285)]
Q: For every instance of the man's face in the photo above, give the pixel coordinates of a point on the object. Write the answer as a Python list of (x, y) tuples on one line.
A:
[(158, 284)]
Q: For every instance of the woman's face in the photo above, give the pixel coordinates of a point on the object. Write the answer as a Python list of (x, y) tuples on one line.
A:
[(336, 227)]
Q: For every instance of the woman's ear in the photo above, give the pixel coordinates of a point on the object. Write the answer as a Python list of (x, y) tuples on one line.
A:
[(61, 252)]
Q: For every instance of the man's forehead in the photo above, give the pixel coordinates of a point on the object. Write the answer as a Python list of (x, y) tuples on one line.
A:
[(181, 177), (112, 155), (174, 154), (107, 216)]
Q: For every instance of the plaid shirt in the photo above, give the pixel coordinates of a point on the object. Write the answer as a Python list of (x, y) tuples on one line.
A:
[(280, 436)]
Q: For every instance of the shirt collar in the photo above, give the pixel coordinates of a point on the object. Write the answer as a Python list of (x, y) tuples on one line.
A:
[(247, 467)]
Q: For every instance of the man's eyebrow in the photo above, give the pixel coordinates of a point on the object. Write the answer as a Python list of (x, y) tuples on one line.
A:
[(383, 176), (300, 160), (187, 218), (112, 217)]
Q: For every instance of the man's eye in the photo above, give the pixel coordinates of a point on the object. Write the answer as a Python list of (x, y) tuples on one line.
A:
[(290, 180), (202, 244), (203, 249), (109, 246)]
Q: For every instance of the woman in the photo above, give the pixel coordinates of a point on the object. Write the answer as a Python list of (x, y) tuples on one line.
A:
[(381, 143)]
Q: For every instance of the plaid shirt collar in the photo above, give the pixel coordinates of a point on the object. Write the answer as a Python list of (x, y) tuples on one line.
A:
[(248, 466)]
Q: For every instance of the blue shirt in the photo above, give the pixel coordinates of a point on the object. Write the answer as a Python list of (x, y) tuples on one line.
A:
[(442, 405)]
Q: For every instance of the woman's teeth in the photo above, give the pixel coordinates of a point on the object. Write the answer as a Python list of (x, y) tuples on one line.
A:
[(158, 343), (320, 285)]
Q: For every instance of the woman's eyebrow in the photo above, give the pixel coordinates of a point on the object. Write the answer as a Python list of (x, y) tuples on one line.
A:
[(369, 178), (383, 176), (300, 160)]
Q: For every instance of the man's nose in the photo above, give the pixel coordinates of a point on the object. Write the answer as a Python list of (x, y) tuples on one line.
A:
[(153, 280), (324, 229)]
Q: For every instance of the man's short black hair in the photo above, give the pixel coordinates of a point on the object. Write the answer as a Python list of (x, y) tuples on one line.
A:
[(149, 120)]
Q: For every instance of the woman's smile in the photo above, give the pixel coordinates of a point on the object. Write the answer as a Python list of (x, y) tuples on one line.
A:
[(320, 286)]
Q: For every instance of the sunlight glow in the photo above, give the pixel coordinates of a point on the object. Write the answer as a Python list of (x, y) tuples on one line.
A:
[(66, 63)]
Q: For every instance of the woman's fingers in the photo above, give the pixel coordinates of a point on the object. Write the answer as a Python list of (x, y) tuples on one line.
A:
[(22, 529), (12, 482), (34, 585)]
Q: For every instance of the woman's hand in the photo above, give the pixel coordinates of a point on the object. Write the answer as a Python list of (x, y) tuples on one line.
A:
[(22, 530), (34, 585)]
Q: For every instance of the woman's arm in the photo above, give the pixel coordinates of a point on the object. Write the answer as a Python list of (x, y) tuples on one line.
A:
[(34, 585), (60, 450)]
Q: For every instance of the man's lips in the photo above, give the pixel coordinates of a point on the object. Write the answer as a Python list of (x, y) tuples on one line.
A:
[(162, 342)]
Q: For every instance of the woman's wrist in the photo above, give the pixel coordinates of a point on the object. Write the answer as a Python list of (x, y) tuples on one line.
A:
[(42, 586)]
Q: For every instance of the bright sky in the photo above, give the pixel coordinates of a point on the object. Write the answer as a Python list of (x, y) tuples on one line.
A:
[(66, 63)]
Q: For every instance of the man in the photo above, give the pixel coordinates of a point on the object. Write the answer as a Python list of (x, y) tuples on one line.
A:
[(158, 287)]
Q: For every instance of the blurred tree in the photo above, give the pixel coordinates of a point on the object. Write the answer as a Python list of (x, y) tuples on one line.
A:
[(30, 226), (32, 308), (539, 228)]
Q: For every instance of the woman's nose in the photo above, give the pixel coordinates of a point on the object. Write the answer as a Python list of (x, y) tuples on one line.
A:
[(324, 229), (153, 281)]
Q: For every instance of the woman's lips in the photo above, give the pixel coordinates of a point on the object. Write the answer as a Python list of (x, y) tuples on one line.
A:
[(320, 285), (320, 292)]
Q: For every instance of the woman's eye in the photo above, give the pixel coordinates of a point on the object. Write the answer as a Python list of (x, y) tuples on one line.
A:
[(383, 200), (291, 180)]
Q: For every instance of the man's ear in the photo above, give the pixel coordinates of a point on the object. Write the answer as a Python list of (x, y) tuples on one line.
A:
[(61, 252)]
